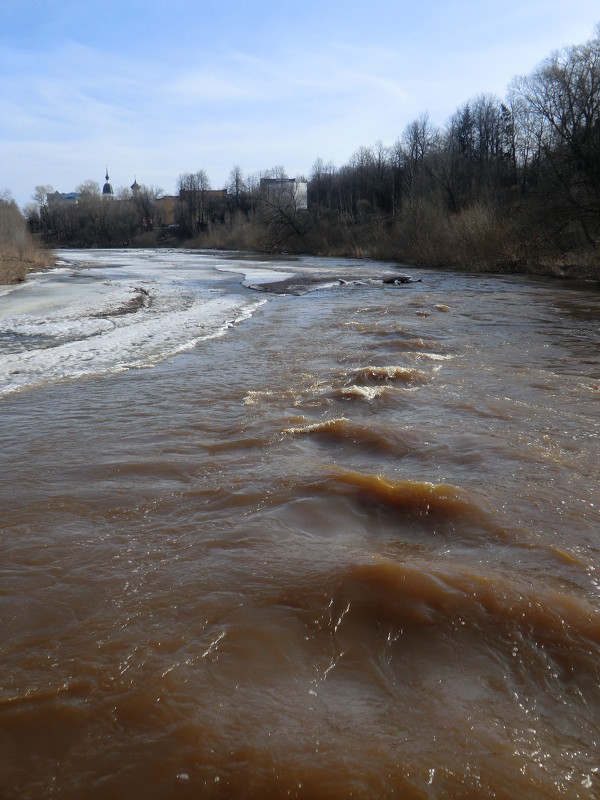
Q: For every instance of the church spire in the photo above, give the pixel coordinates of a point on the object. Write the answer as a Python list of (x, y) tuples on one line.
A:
[(107, 189)]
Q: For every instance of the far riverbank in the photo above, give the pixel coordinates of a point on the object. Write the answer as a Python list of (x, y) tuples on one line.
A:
[(576, 267)]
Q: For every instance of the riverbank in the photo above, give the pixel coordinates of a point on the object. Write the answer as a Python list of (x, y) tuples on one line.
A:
[(476, 239), (15, 270), (576, 267), (20, 251), (467, 242), (506, 259)]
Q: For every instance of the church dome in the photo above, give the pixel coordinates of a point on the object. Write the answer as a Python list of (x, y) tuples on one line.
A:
[(107, 188)]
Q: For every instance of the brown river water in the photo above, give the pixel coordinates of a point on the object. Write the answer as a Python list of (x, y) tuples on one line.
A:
[(344, 543)]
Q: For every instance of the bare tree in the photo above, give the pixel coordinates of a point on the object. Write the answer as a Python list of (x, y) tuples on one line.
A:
[(192, 188), (143, 200), (419, 138), (562, 96), (236, 186), (89, 188)]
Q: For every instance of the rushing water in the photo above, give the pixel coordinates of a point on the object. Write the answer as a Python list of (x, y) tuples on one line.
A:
[(324, 537)]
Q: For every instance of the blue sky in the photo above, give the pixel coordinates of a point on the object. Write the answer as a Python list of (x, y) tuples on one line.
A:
[(160, 87)]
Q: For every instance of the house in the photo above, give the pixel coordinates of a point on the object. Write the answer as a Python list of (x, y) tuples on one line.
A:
[(285, 193), (167, 207), (55, 199)]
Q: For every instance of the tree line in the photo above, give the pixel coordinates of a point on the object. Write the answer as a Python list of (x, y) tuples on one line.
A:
[(508, 183), (89, 219)]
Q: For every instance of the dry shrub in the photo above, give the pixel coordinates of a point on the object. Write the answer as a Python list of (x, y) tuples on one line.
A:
[(480, 238), (330, 236), (422, 232), (145, 239), (18, 250), (240, 232), (476, 238)]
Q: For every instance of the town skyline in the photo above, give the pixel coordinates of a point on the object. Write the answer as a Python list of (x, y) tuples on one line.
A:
[(155, 94)]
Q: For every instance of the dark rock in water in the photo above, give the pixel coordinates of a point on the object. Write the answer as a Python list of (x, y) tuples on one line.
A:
[(396, 281), (302, 283)]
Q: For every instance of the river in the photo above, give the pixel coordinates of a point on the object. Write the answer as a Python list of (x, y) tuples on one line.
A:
[(279, 528)]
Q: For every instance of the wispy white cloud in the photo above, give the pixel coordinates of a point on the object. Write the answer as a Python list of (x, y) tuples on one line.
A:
[(273, 113)]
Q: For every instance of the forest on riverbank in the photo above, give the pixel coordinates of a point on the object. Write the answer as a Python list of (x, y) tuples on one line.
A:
[(510, 185)]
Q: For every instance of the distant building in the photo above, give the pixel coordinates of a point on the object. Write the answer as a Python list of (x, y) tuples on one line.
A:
[(209, 204), (207, 195), (62, 198), (285, 192), (167, 206)]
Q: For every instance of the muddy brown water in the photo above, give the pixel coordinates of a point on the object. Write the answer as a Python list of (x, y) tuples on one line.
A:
[(348, 549)]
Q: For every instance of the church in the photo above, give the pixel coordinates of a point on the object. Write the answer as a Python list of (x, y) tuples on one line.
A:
[(166, 205), (73, 198)]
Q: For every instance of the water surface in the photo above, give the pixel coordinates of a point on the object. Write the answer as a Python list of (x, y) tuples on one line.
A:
[(322, 537)]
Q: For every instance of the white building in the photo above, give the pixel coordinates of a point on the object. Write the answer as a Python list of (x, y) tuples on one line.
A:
[(285, 192)]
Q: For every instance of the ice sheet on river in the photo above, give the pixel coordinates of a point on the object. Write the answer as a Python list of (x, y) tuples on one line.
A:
[(111, 315), (104, 312)]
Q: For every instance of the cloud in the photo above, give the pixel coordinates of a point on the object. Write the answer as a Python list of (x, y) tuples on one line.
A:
[(83, 109), (181, 101)]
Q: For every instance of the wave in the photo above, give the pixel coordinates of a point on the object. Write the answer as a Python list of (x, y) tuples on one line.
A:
[(432, 356), (392, 614), (341, 431), (74, 687), (460, 516), (373, 382), (371, 374), (365, 392), (414, 497), (416, 595)]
